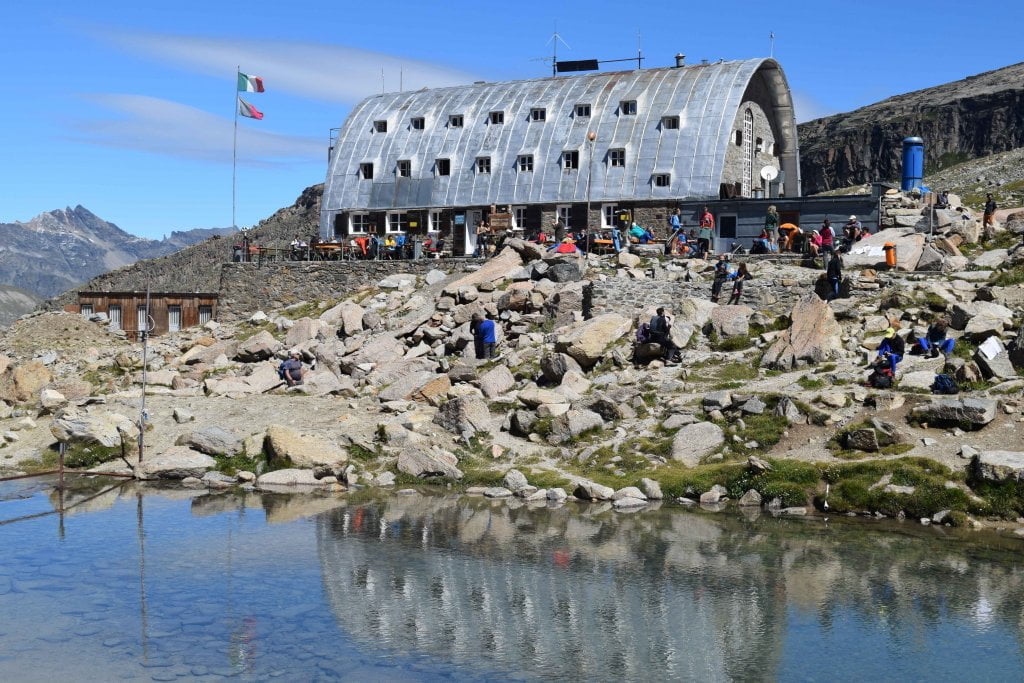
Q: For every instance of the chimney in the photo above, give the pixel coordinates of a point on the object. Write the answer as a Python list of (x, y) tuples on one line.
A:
[(680, 59)]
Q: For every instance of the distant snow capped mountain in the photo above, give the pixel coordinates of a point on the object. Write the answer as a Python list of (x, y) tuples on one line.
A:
[(57, 250)]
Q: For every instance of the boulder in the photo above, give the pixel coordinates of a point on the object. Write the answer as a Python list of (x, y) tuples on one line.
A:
[(651, 489), (528, 251), (731, 321), (694, 441), (260, 346), (555, 365), (587, 343), (497, 381), (24, 382), (969, 412), (920, 380), (423, 464), (212, 441), (573, 423), (288, 477), (177, 462), (182, 416), (750, 499), (51, 400), (692, 311), (533, 396), (869, 253), (862, 440), (305, 330), (628, 260), (994, 360), (398, 281), (347, 316), (714, 495), (566, 271), (283, 443), (813, 335), (77, 426), (999, 466), (991, 259), (589, 490), (463, 415), (515, 481), (496, 492), (979, 317), (435, 276), (501, 267), (931, 259)]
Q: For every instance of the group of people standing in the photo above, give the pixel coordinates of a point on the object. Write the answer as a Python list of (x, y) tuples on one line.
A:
[(825, 241)]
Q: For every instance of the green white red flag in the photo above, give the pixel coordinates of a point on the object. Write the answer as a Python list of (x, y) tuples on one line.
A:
[(247, 110), (247, 83)]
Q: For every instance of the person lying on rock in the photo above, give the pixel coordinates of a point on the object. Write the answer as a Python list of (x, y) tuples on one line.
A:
[(291, 369)]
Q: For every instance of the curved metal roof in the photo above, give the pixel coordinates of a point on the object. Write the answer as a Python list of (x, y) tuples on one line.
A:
[(705, 97)]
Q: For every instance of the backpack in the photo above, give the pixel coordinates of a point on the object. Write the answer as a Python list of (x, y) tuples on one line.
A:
[(643, 333), (944, 384), (881, 378)]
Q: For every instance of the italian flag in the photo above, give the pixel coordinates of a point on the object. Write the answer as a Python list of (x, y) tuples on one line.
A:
[(246, 109), (248, 83)]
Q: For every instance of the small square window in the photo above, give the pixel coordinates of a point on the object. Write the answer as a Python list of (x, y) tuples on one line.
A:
[(483, 164), (670, 122), (662, 180), (616, 157), (404, 168), (380, 126), (525, 163), (627, 107), (582, 110), (443, 166), (570, 160), (359, 223), (538, 114), (739, 138), (366, 171), (418, 123), (455, 121), (497, 117), (397, 222)]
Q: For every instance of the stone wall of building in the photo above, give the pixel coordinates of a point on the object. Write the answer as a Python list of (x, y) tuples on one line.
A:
[(248, 287)]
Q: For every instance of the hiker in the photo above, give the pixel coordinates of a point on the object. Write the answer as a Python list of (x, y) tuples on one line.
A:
[(616, 239), (834, 273), (658, 333), (935, 339), (828, 239), (558, 227), (853, 231), (641, 235), (721, 274), (484, 337), (787, 236), (771, 226), (738, 278), (943, 200), (291, 369), (814, 244), (763, 244), (891, 349), (566, 246), (706, 232), (989, 215), (675, 223)]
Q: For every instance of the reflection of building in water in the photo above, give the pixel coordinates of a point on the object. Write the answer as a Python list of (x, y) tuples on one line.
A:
[(555, 593)]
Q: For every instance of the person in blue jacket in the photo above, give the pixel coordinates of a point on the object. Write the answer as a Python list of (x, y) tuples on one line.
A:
[(484, 336)]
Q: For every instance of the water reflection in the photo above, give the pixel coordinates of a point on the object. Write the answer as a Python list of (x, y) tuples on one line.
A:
[(170, 583)]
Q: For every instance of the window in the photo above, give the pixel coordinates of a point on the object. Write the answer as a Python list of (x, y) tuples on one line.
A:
[(670, 122), (582, 110), (565, 214), (525, 163), (205, 314), (442, 166), (483, 164), (497, 117), (380, 126), (141, 319), (85, 309), (739, 138), (570, 160), (404, 168), (366, 171), (519, 217), (397, 222), (627, 107), (173, 318), (434, 221), (114, 313), (455, 121), (608, 212), (758, 145), (726, 226), (418, 123), (662, 179), (538, 114), (358, 223), (616, 157)]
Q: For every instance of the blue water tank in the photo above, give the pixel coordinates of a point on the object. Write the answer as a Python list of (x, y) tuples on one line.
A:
[(913, 163)]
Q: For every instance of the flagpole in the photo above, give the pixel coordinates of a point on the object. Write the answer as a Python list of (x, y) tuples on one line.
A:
[(234, 152)]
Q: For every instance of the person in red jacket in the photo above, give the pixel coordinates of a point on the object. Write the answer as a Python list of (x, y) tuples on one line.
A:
[(828, 241)]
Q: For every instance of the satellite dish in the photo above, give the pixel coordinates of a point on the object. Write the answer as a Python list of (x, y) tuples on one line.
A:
[(769, 173)]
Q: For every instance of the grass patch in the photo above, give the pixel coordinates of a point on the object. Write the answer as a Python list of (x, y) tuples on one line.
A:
[(811, 383), (1008, 277), (735, 372), (547, 479), (852, 492), (233, 464)]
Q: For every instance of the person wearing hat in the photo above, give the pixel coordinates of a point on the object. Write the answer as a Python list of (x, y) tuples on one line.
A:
[(291, 370), (891, 349), (852, 232)]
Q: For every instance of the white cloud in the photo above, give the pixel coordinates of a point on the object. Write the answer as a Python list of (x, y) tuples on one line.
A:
[(332, 73), (159, 126)]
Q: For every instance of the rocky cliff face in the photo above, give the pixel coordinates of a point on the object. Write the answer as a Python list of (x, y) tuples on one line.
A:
[(197, 268), (14, 303), (60, 249), (966, 119)]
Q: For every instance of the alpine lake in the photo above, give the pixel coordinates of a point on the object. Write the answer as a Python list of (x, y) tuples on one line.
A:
[(139, 582)]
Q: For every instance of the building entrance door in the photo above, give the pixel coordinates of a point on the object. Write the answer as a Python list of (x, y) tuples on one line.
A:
[(473, 220)]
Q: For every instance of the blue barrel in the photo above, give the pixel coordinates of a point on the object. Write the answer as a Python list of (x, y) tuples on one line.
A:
[(913, 163)]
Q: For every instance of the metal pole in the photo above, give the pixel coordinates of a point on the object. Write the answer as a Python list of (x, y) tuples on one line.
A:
[(145, 362), (234, 154), (61, 449), (591, 136)]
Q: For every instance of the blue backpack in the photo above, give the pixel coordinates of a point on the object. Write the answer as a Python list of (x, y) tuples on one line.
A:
[(944, 384)]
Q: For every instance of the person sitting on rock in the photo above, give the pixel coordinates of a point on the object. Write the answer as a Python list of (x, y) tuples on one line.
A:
[(943, 200), (638, 234), (721, 274), (891, 349), (935, 339), (291, 369), (658, 333)]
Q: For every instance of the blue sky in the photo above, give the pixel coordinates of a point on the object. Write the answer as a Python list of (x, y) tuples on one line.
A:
[(126, 107)]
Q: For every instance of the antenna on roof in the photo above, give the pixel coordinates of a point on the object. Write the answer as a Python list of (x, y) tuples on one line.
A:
[(554, 40), (771, 44), (639, 52)]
